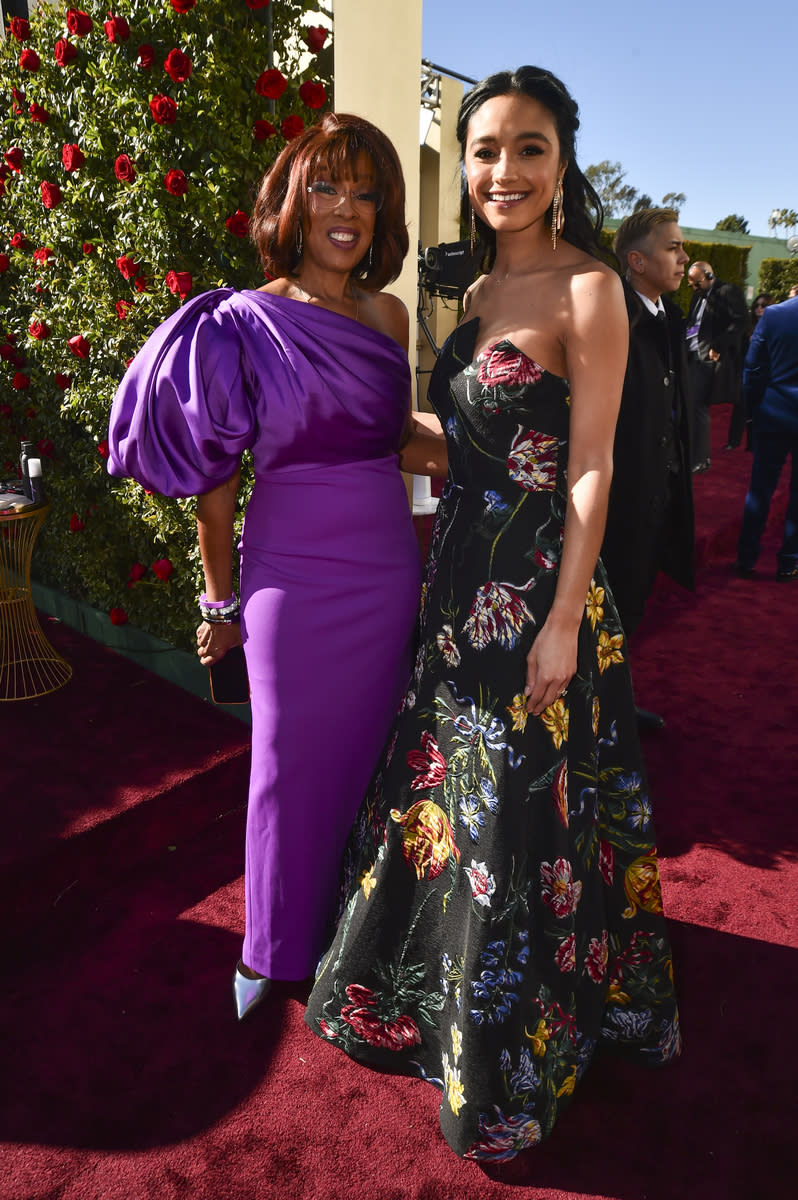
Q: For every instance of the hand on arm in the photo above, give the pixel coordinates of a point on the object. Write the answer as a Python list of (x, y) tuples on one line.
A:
[(423, 448), (215, 514), (596, 351)]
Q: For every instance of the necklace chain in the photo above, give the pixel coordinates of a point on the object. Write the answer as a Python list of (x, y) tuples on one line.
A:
[(309, 297)]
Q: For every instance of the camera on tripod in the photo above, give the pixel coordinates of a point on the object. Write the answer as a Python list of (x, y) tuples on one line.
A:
[(447, 270)]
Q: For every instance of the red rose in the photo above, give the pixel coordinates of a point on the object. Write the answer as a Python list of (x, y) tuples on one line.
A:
[(41, 256), (238, 224), (64, 52), (39, 114), (183, 6), (46, 448), (88, 247), (2, 186), (291, 127), (255, 4), (19, 241), (163, 109), (72, 157), (75, 523), (128, 266), (19, 28), (162, 569), (175, 182), (312, 94), (14, 158), (78, 23), (179, 283), (20, 381), (6, 410), (178, 66), (51, 194), (29, 60), (315, 37), (7, 352), (63, 381), (102, 448), (138, 570), (140, 283), (271, 84), (124, 170), (79, 346), (118, 616), (122, 309), (117, 29), (30, 412), (262, 130), (146, 57), (39, 330), (5, 262)]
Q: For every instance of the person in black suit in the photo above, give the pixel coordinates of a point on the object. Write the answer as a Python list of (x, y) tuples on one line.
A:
[(716, 325), (650, 524)]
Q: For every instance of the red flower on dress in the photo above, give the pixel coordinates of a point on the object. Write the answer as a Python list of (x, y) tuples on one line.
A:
[(429, 762), (498, 614), (560, 891), (238, 223), (51, 194), (38, 114), (79, 346), (127, 266), (396, 1034), (178, 66), (271, 84), (607, 862), (291, 127), (175, 182), (19, 28), (72, 157), (163, 109), (565, 957), (118, 616), (162, 568), (315, 37), (116, 29), (75, 524), (146, 57), (179, 283), (29, 60), (532, 461), (39, 330), (78, 23), (507, 367), (64, 52), (13, 157), (124, 169), (597, 956), (262, 130), (312, 94)]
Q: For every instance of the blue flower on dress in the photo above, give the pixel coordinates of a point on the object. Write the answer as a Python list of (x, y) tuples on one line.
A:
[(503, 1137), (639, 812), (626, 1024), (488, 795), (629, 783), (495, 504), (526, 1078), (471, 816)]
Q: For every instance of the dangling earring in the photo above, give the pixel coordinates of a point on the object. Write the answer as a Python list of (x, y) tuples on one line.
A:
[(299, 240), (371, 254), (557, 214), (473, 237)]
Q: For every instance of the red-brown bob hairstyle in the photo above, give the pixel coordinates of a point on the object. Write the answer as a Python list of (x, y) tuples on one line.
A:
[(330, 150)]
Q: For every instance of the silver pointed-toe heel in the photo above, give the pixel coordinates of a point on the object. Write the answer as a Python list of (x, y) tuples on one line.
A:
[(248, 993)]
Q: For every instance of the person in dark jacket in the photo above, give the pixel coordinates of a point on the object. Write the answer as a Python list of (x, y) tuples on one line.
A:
[(650, 524), (717, 322), (770, 384)]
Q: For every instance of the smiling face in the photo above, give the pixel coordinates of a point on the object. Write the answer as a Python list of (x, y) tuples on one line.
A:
[(340, 217), (512, 162)]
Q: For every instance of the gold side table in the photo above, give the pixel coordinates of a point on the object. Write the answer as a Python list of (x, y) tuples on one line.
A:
[(29, 665)]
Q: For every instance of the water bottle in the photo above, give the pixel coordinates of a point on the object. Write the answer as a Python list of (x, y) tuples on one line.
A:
[(26, 452), (35, 480)]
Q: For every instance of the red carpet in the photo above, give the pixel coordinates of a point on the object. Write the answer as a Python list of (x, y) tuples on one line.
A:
[(125, 1074)]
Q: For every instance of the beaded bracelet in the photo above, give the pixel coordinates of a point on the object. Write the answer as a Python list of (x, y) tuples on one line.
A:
[(219, 612)]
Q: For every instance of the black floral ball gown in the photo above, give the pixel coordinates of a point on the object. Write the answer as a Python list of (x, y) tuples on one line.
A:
[(504, 914)]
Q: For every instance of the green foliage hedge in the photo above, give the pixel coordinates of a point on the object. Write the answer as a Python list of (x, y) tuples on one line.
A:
[(730, 263), (777, 276), (130, 149)]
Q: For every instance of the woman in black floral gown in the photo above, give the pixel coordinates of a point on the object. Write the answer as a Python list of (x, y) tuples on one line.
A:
[(504, 914)]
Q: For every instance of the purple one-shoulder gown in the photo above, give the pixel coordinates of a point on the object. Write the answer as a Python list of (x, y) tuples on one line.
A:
[(329, 566)]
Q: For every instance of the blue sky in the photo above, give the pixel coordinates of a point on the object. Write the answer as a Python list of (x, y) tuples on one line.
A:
[(700, 98)]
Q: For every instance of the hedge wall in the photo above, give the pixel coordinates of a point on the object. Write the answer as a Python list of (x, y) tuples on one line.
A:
[(777, 276)]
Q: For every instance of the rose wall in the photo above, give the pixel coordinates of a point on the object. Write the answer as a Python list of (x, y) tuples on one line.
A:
[(131, 144)]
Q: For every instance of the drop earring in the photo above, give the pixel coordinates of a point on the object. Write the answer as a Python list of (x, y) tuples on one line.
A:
[(473, 237), (371, 254), (299, 240), (557, 214)]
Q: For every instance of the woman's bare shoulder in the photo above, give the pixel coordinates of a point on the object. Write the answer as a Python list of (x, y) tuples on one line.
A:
[(386, 313)]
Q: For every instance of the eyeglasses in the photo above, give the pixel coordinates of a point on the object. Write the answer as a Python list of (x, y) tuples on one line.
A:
[(327, 196)]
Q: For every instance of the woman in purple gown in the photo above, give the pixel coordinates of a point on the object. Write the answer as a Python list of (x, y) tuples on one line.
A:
[(310, 373)]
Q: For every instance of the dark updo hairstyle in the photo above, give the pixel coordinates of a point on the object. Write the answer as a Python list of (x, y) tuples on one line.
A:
[(581, 228), (330, 149)]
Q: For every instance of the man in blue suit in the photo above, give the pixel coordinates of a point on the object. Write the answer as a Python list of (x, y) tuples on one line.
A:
[(770, 385)]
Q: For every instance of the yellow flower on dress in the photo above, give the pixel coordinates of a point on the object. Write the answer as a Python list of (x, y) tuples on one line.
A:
[(615, 995), (539, 1038), (455, 1092), (595, 605), (555, 718), (568, 1084), (596, 707), (642, 886), (368, 882), (608, 650), (517, 711), (427, 838), (457, 1042), (560, 787)]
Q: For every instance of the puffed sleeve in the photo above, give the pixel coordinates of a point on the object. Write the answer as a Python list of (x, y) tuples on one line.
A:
[(184, 413)]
